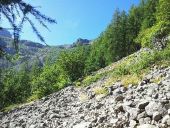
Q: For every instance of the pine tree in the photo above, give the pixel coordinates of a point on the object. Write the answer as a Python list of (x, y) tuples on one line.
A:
[(163, 17), (149, 14)]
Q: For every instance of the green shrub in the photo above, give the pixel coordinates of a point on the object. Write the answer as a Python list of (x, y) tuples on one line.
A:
[(100, 90), (90, 79), (51, 79)]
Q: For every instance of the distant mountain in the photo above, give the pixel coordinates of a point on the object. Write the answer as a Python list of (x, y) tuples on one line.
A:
[(31, 52), (5, 33), (78, 42), (81, 42)]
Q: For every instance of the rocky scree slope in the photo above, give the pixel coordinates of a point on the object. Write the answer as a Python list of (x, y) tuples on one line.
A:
[(144, 106)]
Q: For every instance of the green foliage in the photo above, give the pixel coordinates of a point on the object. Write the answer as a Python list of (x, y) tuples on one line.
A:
[(69, 67), (146, 60), (51, 79), (149, 10), (131, 69), (160, 28), (123, 36), (163, 11), (73, 62), (90, 79), (117, 40), (15, 87), (146, 36), (100, 90)]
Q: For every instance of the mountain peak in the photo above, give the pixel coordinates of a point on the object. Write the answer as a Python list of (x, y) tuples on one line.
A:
[(81, 41)]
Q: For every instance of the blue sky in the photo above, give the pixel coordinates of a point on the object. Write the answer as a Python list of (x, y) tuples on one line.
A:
[(76, 19)]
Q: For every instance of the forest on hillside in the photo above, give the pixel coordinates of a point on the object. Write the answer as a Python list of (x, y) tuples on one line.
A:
[(144, 25)]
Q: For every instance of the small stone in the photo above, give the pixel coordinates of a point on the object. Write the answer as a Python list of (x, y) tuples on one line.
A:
[(42, 125), (133, 112), (99, 97), (82, 116), (101, 119), (114, 121), (169, 111), (94, 120), (123, 89), (91, 95), (119, 108), (167, 83), (141, 83), (153, 107), (132, 123), (155, 96), (147, 126), (166, 120), (157, 116), (82, 125), (119, 98), (117, 91), (143, 104), (98, 106), (168, 95), (141, 115), (33, 126), (88, 105), (110, 89), (145, 120), (54, 116)]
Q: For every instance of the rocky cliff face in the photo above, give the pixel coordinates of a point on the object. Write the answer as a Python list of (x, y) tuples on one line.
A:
[(81, 42), (144, 106)]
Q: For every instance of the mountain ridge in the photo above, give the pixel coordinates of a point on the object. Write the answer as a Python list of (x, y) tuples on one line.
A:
[(30, 51)]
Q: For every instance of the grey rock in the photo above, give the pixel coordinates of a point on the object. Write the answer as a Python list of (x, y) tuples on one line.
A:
[(145, 120), (143, 104), (119, 98), (141, 115), (98, 105), (153, 107), (166, 120), (54, 116), (119, 108), (91, 95), (132, 124), (132, 111), (117, 91), (101, 119), (169, 111), (168, 95), (157, 116), (167, 83), (147, 126), (64, 109), (114, 121), (32, 126), (88, 105), (82, 125)]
